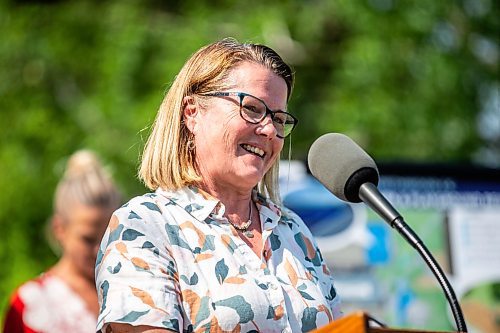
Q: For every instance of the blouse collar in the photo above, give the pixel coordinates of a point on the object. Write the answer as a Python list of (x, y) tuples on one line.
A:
[(201, 204)]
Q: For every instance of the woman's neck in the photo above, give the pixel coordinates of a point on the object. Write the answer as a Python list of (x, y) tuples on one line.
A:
[(236, 201), (82, 285), (67, 271)]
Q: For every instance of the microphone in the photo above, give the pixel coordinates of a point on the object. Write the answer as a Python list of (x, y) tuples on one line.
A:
[(347, 171)]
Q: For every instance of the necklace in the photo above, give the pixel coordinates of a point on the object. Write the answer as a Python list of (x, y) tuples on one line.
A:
[(244, 227)]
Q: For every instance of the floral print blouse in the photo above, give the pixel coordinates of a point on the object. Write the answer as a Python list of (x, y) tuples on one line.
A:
[(48, 305), (170, 259)]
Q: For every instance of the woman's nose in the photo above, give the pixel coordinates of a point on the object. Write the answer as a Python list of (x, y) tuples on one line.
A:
[(266, 127)]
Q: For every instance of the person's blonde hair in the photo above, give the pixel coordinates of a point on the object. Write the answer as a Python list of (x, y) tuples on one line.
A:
[(87, 182), (166, 161)]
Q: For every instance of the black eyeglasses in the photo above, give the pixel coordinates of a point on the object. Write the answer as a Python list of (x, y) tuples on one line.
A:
[(254, 110)]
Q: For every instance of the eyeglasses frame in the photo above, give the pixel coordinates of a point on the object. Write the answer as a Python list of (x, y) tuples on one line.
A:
[(270, 112)]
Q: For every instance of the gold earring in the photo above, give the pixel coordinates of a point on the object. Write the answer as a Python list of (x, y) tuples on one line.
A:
[(190, 143)]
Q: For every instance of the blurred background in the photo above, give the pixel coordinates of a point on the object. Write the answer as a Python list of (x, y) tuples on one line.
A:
[(416, 83)]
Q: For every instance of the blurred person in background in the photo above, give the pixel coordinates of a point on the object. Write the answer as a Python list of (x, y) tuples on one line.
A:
[(64, 298), (212, 249)]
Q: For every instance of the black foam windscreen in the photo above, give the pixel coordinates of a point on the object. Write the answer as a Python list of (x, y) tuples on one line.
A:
[(341, 165)]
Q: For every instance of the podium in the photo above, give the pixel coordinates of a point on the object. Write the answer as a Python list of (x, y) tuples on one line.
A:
[(359, 322)]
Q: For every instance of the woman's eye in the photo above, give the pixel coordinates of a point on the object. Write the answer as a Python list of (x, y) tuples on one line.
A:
[(251, 108), (89, 240), (281, 120)]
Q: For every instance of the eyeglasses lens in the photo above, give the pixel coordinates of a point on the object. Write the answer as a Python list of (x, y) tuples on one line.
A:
[(254, 110)]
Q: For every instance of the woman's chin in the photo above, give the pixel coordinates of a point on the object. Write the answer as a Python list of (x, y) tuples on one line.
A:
[(248, 179)]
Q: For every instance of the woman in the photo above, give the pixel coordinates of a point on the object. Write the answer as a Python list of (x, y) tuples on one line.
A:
[(64, 298), (211, 249)]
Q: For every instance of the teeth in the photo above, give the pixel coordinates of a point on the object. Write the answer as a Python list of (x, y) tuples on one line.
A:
[(255, 150)]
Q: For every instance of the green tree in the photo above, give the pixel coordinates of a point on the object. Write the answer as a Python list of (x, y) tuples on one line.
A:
[(410, 80)]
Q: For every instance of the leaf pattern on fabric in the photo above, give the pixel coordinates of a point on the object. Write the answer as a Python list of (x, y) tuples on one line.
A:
[(204, 310), (242, 307), (193, 207), (331, 294), (151, 206), (208, 244), (275, 313), (133, 216), (172, 324), (190, 225), (306, 296), (148, 245), (132, 316), (307, 248), (275, 242), (101, 255), (108, 251), (116, 269), (122, 248), (140, 264), (309, 319), (279, 312), (104, 287), (230, 244), (114, 222), (235, 280), (185, 279), (292, 274), (146, 298), (192, 281), (174, 237), (221, 271), (115, 232), (203, 256), (131, 234), (170, 271), (270, 312), (198, 266), (311, 274), (322, 308), (263, 286), (193, 300)]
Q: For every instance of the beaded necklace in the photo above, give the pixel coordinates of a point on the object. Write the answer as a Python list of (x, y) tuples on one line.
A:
[(244, 227)]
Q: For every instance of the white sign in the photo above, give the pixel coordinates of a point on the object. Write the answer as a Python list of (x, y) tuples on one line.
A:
[(474, 246)]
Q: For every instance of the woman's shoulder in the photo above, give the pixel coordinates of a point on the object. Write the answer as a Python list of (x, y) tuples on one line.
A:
[(39, 289), (146, 204), (143, 200), (148, 213), (29, 304)]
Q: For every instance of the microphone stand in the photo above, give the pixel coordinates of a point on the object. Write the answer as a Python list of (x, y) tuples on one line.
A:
[(371, 196)]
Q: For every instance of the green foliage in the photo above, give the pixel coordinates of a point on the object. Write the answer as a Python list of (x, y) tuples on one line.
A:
[(404, 78)]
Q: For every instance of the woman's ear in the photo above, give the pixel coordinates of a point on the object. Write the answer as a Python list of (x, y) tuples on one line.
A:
[(58, 228), (190, 112)]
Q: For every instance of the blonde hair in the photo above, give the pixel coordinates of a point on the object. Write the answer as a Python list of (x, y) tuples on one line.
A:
[(166, 161), (85, 181)]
